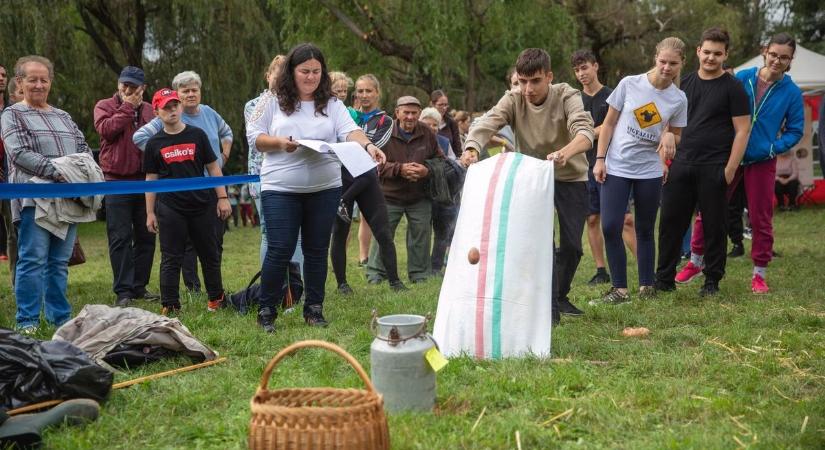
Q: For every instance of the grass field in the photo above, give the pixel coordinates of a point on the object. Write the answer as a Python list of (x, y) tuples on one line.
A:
[(733, 371)]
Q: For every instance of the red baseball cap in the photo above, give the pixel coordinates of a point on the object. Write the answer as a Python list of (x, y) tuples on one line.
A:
[(164, 96)]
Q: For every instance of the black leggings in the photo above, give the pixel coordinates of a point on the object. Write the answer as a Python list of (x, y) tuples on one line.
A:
[(365, 190), (615, 195)]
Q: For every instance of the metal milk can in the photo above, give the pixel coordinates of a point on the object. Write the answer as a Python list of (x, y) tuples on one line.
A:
[(399, 369)]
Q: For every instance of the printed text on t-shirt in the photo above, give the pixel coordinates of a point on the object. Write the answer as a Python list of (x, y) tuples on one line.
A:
[(178, 153)]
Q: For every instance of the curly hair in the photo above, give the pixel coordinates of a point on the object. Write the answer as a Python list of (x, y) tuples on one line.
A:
[(288, 96)]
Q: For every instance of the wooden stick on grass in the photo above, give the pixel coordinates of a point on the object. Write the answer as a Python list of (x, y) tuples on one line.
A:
[(122, 384)]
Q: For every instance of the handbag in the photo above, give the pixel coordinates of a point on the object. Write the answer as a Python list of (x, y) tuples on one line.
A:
[(78, 256)]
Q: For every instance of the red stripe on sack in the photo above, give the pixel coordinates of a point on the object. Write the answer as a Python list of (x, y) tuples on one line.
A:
[(481, 290)]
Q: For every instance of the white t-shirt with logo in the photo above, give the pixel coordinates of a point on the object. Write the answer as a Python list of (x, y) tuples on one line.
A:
[(644, 112)]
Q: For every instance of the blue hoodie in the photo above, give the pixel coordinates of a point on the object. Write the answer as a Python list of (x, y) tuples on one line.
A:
[(777, 122)]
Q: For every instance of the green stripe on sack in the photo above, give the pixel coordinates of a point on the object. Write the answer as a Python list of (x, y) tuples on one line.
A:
[(498, 278)]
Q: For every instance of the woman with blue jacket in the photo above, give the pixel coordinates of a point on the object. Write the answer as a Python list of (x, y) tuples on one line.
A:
[(777, 123)]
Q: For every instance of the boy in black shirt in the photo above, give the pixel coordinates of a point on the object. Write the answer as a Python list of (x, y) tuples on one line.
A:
[(182, 151), (706, 161)]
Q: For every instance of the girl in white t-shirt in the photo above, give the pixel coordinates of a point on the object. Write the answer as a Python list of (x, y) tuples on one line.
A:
[(641, 130), (300, 188)]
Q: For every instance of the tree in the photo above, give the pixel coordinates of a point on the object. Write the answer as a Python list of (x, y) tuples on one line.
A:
[(464, 47)]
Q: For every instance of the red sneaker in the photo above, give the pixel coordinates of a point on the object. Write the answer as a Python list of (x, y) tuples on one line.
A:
[(3, 257), (688, 273), (759, 285), (214, 305)]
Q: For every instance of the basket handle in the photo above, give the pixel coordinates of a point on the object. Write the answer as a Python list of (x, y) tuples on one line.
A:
[(317, 344)]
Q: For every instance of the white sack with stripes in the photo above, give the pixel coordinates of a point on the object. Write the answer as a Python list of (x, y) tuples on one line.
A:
[(500, 306)]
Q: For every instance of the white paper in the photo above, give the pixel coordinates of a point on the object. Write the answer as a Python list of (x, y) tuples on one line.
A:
[(352, 155)]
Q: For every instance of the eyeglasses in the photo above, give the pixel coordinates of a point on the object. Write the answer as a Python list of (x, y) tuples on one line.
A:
[(782, 58)]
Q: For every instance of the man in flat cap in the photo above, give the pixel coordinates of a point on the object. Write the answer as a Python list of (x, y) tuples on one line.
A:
[(403, 178)]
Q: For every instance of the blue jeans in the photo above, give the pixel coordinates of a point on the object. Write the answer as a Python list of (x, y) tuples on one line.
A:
[(297, 257), (286, 214), (42, 272)]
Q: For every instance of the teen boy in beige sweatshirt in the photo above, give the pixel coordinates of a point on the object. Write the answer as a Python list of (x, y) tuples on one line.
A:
[(549, 122)]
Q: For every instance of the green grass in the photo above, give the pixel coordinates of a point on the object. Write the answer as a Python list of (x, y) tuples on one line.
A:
[(734, 371)]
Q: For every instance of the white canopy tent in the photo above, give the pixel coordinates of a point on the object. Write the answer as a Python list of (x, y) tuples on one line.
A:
[(807, 68)]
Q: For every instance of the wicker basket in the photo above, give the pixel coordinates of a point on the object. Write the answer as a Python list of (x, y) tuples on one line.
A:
[(317, 418)]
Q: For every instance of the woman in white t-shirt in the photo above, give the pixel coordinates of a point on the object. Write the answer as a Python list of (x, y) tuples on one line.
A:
[(300, 188), (642, 127)]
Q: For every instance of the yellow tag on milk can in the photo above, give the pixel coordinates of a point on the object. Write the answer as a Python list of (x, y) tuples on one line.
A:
[(436, 359)]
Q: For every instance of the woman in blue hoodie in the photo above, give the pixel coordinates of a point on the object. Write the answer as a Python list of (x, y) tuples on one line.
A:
[(777, 123)]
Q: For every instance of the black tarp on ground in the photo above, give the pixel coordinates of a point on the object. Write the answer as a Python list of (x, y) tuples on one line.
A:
[(33, 371)]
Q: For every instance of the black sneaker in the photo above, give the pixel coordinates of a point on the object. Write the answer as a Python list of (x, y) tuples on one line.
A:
[(647, 293), (314, 317), (123, 301), (363, 262), (736, 250), (148, 296), (601, 277), (398, 286), (343, 213), (565, 307), (266, 319), (345, 289), (664, 286), (709, 290), (611, 297)]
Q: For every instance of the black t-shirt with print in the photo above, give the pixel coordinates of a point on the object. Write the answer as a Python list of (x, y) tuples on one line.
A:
[(597, 107), (181, 155), (708, 136)]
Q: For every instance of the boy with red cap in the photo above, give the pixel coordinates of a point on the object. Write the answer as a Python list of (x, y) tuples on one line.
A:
[(183, 151)]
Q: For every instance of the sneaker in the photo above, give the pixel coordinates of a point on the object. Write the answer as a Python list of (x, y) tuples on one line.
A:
[(664, 286), (611, 297), (709, 289), (736, 250), (375, 280), (363, 262), (647, 293), (759, 285), (345, 289), (565, 307), (123, 301), (28, 330), (170, 310), (214, 305), (148, 296), (343, 213), (601, 277), (4, 257), (398, 286), (266, 319), (747, 233), (314, 316), (688, 273)]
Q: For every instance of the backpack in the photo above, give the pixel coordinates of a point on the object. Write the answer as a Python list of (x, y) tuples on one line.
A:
[(293, 290)]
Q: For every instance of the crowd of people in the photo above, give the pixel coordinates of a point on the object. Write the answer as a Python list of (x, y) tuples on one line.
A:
[(660, 144)]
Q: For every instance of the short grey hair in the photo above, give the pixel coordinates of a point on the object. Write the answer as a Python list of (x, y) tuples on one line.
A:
[(19, 70), (432, 113), (185, 78)]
